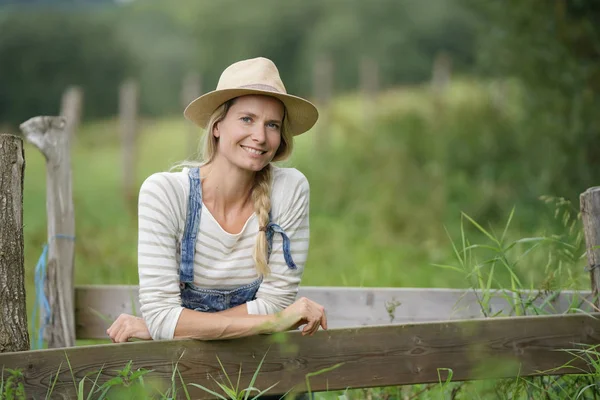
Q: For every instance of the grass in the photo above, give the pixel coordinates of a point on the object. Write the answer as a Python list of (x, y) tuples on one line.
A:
[(389, 196)]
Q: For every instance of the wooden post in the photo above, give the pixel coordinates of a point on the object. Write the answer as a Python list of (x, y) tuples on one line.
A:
[(590, 214), (192, 88), (48, 134), (14, 335), (128, 108), (323, 90), (71, 107), (442, 70), (369, 83)]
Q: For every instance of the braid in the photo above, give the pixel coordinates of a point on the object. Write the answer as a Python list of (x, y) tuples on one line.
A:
[(261, 196)]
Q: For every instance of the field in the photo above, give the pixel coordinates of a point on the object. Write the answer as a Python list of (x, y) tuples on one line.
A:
[(390, 194)]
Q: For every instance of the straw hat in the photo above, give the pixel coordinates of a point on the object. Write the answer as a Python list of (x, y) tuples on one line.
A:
[(254, 76)]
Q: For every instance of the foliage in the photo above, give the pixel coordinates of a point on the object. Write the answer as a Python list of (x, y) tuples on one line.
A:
[(158, 44), (44, 52), (553, 49)]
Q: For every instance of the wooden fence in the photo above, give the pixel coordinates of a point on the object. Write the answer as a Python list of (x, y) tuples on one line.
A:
[(378, 336)]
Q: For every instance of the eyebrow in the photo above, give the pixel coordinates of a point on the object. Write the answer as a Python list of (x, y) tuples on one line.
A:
[(250, 114)]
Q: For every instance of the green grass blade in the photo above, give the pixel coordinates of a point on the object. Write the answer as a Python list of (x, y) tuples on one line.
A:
[(256, 374), (207, 390), (510, 217), (225, 372), (482, 230), (319, 372)]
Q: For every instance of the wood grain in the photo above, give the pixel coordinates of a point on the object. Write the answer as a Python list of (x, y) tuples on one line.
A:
[(590, 215), (97, 306), (13, 311), (370, 356), (48, 134)]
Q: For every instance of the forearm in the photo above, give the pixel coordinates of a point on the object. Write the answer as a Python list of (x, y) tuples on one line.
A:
[(237, 311), (211, 326)]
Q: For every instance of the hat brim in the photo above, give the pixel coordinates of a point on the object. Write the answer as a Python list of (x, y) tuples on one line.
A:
[(301, 114)]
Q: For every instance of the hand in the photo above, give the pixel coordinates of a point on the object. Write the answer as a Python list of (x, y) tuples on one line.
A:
[(302, 312), (126, 327)]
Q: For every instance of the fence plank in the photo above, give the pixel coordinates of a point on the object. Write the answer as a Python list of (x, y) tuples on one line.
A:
[(128, 121), (13, 311), (590, 214), (49, 136), (370, 356), (98, 306)]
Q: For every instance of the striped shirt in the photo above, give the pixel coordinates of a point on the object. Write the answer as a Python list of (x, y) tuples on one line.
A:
[(222, 260)]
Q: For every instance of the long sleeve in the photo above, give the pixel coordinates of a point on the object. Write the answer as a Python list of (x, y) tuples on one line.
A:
[(159, 211), (290, 211)]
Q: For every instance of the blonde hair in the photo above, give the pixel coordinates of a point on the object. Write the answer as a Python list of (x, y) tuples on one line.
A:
[(261, 190)]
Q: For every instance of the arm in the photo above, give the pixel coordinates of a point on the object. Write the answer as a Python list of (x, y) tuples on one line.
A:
[(163, 316), (160, 298), (290, 211)]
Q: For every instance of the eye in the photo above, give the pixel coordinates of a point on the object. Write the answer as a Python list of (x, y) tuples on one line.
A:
[(273, 125), (246, 119)]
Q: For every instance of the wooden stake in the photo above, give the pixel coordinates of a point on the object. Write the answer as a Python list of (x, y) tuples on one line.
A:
[(442, 71), (48, 134), (14, 335), (323, 90), (71, 106), (192, 88), (369, 83), (128, 108), (590, 214)]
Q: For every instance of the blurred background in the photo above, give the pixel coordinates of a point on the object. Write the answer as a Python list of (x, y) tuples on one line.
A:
[(431, 111)]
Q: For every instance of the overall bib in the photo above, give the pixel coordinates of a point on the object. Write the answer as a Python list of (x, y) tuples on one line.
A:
[(213, 300)]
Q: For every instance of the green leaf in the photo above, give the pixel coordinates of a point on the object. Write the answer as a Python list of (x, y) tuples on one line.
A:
[(220, 396), (480, 228), (510, 217)]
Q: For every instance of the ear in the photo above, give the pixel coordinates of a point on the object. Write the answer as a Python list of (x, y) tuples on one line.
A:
[(216, 133)]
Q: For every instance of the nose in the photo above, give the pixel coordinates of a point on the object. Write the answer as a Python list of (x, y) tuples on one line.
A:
[(259, 134)]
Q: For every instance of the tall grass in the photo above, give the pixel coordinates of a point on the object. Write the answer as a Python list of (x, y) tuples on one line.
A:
[(386, 193)]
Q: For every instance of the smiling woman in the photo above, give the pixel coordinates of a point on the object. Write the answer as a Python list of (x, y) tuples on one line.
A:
[(222, 244)]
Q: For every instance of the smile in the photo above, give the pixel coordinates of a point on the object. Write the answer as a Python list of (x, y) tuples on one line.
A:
[(253, 151)]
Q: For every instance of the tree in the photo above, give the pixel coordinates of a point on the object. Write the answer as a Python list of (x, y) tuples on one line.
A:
[(13, 312)]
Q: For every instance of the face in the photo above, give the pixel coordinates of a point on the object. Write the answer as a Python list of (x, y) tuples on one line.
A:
[(250, 133)]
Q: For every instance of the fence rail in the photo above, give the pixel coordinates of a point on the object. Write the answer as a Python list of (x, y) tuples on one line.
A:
[(369, 356), (96, 306)]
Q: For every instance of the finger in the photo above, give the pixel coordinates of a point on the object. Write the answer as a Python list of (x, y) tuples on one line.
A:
[(324, 320), (123, 336), (309, 329), (118, 334)]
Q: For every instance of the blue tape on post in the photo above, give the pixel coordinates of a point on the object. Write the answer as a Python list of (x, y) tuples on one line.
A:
[(41, 302)]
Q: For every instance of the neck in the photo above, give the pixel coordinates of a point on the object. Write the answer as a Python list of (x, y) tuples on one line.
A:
[(226, 188)]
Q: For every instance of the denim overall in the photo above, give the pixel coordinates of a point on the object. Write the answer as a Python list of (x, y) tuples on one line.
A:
[(213, 300)]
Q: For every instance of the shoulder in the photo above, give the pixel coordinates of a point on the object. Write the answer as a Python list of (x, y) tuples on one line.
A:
[(288, 181), (165, 184), (290, 192)]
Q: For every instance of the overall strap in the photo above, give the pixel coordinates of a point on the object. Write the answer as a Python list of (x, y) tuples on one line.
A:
[(192, 225), (273, 228)]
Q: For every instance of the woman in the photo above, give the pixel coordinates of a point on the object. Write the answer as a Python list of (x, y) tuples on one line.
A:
[(222, 245)]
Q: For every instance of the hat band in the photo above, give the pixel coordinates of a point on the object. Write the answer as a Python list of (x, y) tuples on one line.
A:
[(259, 86)]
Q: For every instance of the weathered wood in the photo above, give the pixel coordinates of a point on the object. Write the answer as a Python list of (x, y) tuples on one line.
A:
[(14, 335), (49, 136), (322, 93), (71, 107), (128, 109), (441, 72), (97, 306), (369, 83), (369, 356), (590, 214), (191, 89)]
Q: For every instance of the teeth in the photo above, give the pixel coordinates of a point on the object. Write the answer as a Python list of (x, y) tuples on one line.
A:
[(253, 151)]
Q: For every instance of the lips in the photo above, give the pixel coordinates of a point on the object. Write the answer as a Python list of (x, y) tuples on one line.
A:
[(253, 150)]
